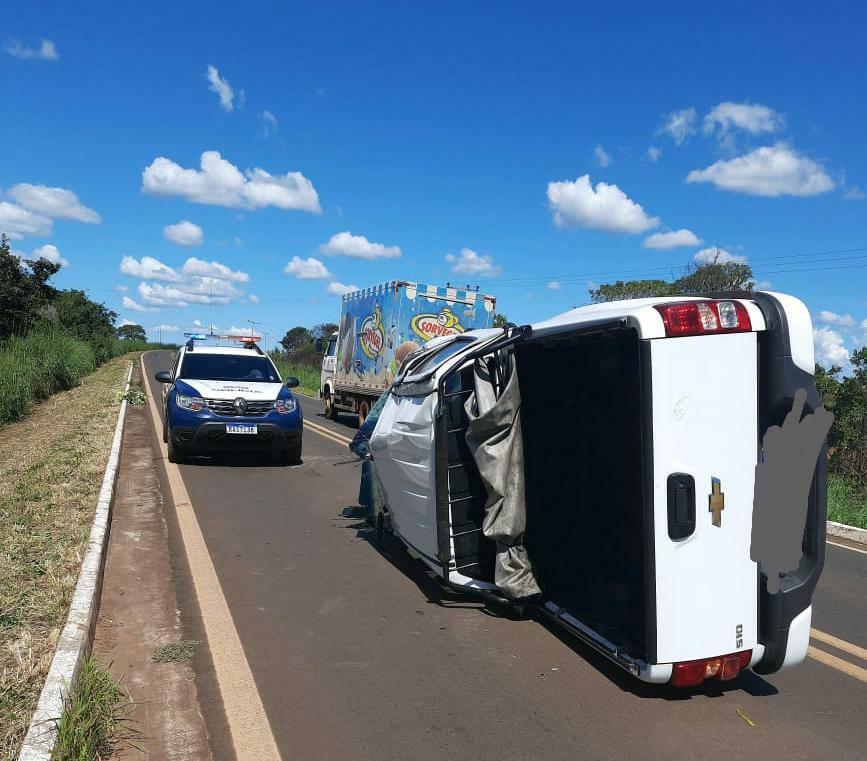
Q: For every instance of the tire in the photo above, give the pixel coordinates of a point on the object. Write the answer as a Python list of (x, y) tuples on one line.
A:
[(363, 411), (330, 411), (292, 454), (173, 454)]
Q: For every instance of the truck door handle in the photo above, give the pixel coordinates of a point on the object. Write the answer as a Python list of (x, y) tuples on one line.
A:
[(681, 505)]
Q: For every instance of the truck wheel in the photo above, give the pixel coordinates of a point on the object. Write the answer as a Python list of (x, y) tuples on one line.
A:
[(330, 411), (363, 411)]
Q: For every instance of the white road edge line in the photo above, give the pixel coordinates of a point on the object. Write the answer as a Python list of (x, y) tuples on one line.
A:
[(74, 641), (846, 547), (249, 728)]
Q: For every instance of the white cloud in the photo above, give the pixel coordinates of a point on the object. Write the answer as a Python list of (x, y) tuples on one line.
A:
[(221, 87), (769, 171), (577, 204), (679, 125), (854, 193), (214, 270), (764, 285), (133, 305), (829, 347), (234, 330), (148, 268), (166, 328), (653, 153), (197, 290), (718, 255), (602, 157), (51, 253), (864, 324), (221, 183), (47, 51), (347, 244), (307, 269), (121, 288), (17, 222), (471, 263), (254, 299), (553, 286), (338, 289), (57, 203), (184, 233), (753, 118), (672, 239), (269, 123), (124, 322), (840, 320)]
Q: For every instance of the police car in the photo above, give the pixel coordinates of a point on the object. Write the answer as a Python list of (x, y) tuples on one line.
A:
[(224, 394)]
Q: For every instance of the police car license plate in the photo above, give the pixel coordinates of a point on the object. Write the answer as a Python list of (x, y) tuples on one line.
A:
[(249, 428)]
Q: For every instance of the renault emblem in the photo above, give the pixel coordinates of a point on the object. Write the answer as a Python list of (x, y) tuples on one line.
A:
[(240, 405), (716, 501)]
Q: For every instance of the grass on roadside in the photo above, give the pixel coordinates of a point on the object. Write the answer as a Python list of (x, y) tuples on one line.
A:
[(309, 376), (177, 652), (51, 466), (96, 721), (845, 504)]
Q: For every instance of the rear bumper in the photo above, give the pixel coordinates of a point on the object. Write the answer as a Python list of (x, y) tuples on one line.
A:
[(212, 437)]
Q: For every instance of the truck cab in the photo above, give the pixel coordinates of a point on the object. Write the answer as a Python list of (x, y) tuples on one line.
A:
[(327, 375)]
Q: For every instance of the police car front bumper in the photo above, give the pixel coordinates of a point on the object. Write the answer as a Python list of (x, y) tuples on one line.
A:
[(212, 437)]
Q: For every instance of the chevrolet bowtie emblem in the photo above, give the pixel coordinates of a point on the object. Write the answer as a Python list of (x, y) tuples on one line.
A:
[(716, 501)]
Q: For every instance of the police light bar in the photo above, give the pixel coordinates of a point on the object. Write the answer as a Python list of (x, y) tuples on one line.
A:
[(245, 338), (196, 336), (223, 337)]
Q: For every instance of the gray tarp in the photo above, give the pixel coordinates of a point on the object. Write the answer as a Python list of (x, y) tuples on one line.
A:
[(494, 438)]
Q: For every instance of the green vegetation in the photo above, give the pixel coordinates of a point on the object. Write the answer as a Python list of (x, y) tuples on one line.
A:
[(177, 652), (50, 338), (309, 376), (50, 476), (695, 278), (95, 722), (845, 503)]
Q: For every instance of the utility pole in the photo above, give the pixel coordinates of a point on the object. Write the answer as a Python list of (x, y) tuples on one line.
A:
[(253, 324)]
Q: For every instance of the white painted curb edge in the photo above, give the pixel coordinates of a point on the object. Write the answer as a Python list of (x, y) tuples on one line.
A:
[(75, 638), (841, 530)]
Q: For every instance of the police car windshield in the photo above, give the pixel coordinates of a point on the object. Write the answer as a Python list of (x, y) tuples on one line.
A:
[(228, 367)]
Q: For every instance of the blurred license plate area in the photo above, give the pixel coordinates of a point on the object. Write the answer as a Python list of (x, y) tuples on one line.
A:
[(248, 428)]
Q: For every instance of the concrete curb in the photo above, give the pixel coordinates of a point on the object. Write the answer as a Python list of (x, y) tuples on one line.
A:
[(75, 638), (842, 531)]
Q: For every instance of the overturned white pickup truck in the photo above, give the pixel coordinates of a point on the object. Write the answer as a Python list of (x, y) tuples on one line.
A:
[(601, 465)]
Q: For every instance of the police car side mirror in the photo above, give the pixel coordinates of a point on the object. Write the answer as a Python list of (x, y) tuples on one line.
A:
[(163, 376), (292, 382)]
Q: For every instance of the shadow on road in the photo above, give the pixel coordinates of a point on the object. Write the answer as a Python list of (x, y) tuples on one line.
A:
[(436, 593)]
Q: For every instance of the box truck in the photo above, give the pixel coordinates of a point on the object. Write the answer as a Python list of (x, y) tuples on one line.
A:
[(381, 326), (604, 467)]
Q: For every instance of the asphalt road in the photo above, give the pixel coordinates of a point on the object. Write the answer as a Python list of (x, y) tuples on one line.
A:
[(358, 654)]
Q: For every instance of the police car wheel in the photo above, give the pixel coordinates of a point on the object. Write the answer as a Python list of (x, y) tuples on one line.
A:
[(291, 455), (173, 453)]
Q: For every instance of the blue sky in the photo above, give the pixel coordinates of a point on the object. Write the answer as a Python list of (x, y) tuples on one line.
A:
[(434, 142)]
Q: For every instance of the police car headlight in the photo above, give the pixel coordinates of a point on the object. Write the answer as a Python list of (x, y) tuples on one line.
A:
[(194, 403), (285, 406)]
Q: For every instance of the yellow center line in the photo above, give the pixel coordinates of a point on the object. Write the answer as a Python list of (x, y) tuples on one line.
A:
[(840, 644), (327, 432), (838, 663), (249, 728)]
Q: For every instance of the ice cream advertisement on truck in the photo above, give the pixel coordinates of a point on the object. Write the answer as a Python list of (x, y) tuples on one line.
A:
[(381, 325)]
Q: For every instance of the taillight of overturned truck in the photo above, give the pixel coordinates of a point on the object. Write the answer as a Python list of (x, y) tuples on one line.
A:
[(696, 318), (724, 668)]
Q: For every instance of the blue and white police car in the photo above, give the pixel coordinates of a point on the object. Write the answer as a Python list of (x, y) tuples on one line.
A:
[(225, 395)]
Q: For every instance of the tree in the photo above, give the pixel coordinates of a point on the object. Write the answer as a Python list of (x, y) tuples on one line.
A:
[(132, 333), (295, 339), (324, 330), (24, 290), (86, 320), (499, 320), (712, 277), (629, 289)]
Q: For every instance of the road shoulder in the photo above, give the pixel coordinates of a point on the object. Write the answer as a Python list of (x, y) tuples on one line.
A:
[(138, 617)]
